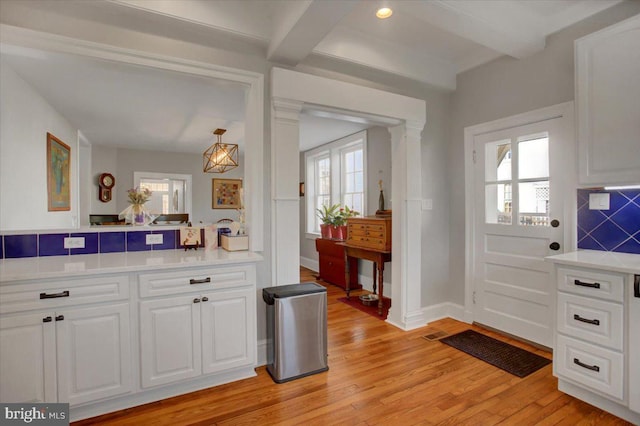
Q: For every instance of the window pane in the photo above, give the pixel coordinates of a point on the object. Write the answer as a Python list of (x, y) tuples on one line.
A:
[(349, 183), (498, 203), (348, 162), (534, 203), (497, 161), (533, 158), (359, 187), (359, 164)]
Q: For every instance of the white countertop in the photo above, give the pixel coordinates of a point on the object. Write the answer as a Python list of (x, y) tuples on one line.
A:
[(107, 263), (606, 260)]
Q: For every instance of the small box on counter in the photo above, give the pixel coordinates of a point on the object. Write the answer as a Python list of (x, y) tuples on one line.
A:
[(235, 242)]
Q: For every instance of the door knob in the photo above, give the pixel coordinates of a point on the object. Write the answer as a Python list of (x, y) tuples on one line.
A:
[(554, 246), (555, 223)]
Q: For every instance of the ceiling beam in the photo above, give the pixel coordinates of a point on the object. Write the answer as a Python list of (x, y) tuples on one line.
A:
[(299, 26), (501, 26)]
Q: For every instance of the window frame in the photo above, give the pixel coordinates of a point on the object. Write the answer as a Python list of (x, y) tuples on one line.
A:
[(335, 151), (137, 176)]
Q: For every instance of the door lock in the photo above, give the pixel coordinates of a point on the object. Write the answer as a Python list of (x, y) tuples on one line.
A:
[(554, 246), (555, 223)]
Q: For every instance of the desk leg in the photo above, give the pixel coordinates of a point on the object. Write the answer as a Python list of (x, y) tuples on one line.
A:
[(375, 275), (380, 281), (347, 274)]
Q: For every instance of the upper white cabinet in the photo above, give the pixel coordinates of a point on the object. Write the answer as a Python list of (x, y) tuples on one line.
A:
[(608, 104)]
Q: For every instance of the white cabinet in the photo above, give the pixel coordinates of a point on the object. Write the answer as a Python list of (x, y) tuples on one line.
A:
[(203, 325), (66, 354), (596, 343), (608, 104)]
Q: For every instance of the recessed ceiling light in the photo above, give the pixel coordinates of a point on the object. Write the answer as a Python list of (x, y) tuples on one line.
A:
[(384, 13)]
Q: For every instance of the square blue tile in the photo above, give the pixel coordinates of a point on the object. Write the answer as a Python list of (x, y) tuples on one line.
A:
[(609, 235), (628, 218), (589, 243), (137, 241), (52, 245), (112, 242), (583, 197), (16, 246), (629, 246), (168, 240), (616, 202), (590, 219), (90, 243)]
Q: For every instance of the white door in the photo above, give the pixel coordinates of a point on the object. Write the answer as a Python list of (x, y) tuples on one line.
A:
[(94, 353), (170, 340), (227, 323), (518, 221), (28, 361)]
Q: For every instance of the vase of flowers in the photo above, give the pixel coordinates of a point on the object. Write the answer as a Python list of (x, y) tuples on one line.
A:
[(339, 225), (136, 213), (327, 215)]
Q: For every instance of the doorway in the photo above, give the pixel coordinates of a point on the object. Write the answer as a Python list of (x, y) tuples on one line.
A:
[(519, 171)]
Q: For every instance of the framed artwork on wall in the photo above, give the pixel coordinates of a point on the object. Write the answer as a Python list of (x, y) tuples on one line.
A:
[(226, 193), (58, 174)]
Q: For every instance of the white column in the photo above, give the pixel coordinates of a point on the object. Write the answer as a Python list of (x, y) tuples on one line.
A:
[(406, 185), (285, 175)]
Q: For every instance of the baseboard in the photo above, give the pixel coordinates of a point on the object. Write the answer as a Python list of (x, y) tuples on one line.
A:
[(308, 263), (443, 310)]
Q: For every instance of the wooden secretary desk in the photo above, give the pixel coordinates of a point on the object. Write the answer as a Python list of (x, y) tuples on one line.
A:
[(368, 238)]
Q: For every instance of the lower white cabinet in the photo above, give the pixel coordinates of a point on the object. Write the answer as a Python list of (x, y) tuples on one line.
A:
[(182, 337), (70, 355)]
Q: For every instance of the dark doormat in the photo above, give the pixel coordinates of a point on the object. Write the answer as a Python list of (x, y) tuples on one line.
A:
[(507, 357)]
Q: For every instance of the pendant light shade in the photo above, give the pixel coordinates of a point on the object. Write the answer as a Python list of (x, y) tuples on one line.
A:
[(220, 157)]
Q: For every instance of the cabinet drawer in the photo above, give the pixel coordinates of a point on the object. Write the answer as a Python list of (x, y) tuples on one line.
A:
[(48, 294), (196, 279), (595, 367), (603, 285), (595, 321)]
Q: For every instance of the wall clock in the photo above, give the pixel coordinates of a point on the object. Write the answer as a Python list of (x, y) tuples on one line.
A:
[(106, 181)]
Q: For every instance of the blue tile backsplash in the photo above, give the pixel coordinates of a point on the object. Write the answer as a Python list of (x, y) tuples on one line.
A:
[(45, 244), (616, 229)]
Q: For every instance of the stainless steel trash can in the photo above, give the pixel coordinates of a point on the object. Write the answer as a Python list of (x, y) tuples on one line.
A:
[(296, 330)]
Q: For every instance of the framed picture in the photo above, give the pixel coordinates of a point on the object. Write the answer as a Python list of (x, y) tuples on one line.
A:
[(226, 193), (58, 174)]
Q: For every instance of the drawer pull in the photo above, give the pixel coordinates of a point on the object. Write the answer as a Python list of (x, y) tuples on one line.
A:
[(588, 367), (54, 295), (205, 299), (587, 320), (202, 281), (47, 319), (583, 284), (60, 318), (196, 300)]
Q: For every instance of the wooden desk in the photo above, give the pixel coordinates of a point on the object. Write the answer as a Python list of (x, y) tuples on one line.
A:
[(378, 257)]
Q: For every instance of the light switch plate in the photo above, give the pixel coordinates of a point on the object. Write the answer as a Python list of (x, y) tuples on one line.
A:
[(599, 201), (154, 239), (73, 242)]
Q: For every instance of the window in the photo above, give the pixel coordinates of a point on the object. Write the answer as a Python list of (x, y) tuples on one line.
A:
[(170, 193), (336, 174)]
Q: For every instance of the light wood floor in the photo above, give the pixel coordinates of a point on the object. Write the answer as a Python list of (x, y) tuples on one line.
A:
[(379, 375)]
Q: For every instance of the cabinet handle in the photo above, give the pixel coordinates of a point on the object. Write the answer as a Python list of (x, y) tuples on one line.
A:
[(60, 318), (583, 284), (588, 321), (205, 299), (588, 367), (196, 300), (202, 281), (54, 295), (46, 319)]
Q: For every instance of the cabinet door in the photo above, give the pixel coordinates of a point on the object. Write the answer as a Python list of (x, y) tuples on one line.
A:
[(228, 330), (94, 353), (608, 104), (28, 361), (170, 348)]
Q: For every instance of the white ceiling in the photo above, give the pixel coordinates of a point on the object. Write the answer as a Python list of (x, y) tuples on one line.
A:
[(428, 41)]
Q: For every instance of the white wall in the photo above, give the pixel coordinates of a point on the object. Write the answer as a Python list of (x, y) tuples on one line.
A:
[(506, 87), (122, 162), (25, 119)]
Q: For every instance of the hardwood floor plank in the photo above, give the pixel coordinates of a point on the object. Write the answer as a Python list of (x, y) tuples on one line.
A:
[(378, 375)]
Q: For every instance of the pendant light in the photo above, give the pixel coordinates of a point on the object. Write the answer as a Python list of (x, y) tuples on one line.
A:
[(220, 157)]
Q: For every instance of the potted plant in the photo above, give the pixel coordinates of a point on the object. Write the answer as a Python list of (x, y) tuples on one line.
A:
[(327, 215), (339, 225)]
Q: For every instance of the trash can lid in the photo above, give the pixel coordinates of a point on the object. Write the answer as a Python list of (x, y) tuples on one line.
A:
[(280, 292)]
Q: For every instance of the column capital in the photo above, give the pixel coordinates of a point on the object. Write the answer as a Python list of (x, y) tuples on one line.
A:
[(286, 109)]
